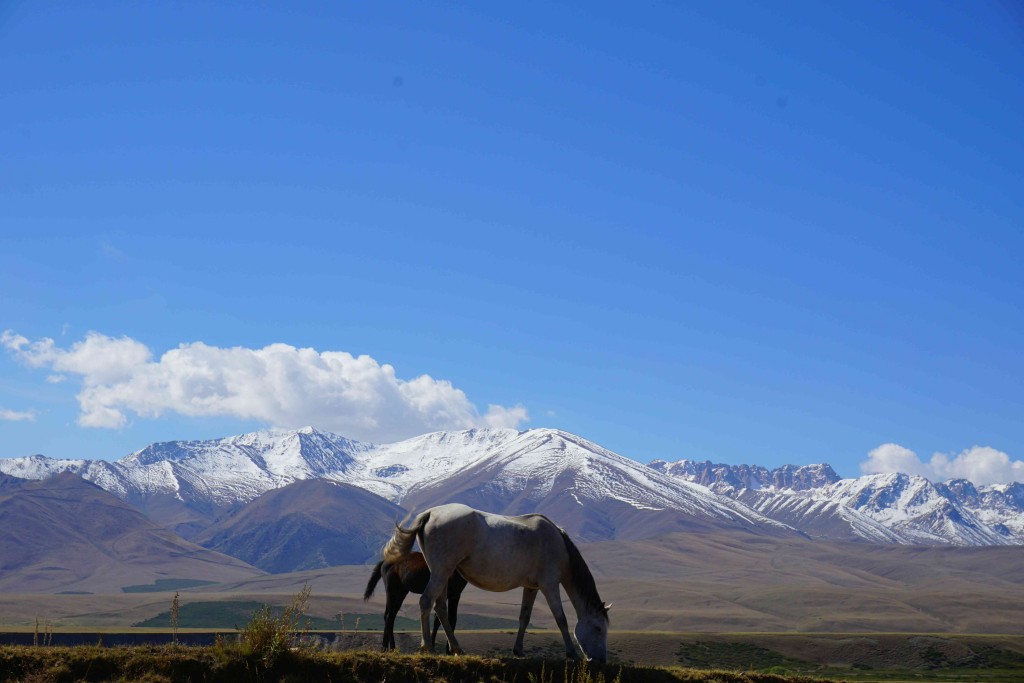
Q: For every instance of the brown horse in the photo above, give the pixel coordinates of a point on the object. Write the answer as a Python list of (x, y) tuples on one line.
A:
[(409, 575)]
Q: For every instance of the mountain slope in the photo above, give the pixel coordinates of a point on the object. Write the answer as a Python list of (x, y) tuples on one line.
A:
[(186, 485), (593, 493), (307, 524), (66, 534)]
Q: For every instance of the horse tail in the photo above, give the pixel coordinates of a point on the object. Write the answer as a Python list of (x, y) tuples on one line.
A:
[(374, 578), (400, 543)]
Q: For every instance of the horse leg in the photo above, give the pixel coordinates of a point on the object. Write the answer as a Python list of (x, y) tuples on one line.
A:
[(554, 598), (529, 595), (437, 625), (384, 639), (395, 599), (433, 634), (441, 609), (433, 598), (456, 586)]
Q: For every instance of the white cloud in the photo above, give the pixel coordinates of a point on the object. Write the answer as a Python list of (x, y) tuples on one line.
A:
[(979, 464), (891, 457), (279, 384), (17, 415)]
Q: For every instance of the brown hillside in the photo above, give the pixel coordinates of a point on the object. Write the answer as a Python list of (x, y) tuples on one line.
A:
[(306, 525), (66, 534)]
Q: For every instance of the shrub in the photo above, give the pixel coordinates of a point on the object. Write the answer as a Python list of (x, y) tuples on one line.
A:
[(267, 637)]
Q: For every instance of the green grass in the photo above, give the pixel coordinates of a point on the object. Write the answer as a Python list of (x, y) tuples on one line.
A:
[(229, 614), (165, 585)]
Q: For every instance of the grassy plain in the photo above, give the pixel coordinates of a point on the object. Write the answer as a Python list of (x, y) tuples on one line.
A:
[(728, 601), (680, 582)]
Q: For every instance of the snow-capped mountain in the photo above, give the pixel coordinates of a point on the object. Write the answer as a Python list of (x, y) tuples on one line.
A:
[(185, 485), (592, 491), (1001, 506), (725, 478), (599, 494), (883, 508), (240, 468)]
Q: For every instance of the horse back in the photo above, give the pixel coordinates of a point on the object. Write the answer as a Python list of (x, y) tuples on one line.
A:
[(495, 552)]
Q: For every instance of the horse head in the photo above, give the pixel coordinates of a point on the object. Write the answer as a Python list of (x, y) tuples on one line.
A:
[(591, 633)]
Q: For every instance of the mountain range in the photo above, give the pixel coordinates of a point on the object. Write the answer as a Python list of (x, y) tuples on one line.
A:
[(880, 508), (281, 501)]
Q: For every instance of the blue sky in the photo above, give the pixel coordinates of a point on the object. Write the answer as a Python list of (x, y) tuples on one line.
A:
[(747, 232)]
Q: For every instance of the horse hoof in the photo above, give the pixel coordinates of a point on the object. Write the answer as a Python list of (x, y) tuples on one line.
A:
[(458, 651), (518, 653)]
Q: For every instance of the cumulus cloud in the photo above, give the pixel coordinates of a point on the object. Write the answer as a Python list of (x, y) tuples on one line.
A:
[(278, 384), (17, 415), (979, 464)]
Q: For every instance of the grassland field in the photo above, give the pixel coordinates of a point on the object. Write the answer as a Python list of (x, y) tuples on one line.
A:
[(785, 656)]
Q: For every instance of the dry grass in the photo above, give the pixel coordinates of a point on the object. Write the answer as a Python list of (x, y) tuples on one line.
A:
[(691, 582), (225, 663), (267, 637)]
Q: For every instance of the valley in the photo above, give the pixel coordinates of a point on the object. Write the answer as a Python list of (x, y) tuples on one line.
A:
[(695, 558)]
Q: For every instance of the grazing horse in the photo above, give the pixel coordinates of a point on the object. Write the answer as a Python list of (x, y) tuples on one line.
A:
[(499, 553), (409, 575)]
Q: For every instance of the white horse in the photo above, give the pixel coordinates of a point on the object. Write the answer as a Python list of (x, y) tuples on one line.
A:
[(499, 553)]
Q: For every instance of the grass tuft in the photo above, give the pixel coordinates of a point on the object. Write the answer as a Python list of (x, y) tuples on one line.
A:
[(266, 637)]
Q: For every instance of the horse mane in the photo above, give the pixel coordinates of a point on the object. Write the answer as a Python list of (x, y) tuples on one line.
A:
[(582, 579)]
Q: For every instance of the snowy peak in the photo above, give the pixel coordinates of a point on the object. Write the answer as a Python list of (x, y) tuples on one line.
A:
[(186, 484), (917, 509), (224, 472), (1000, 506), (885, 508), (722, 478), (40, 466), (212, 474), (578, 481), (803, 477), (503, 470), (298, 454)]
